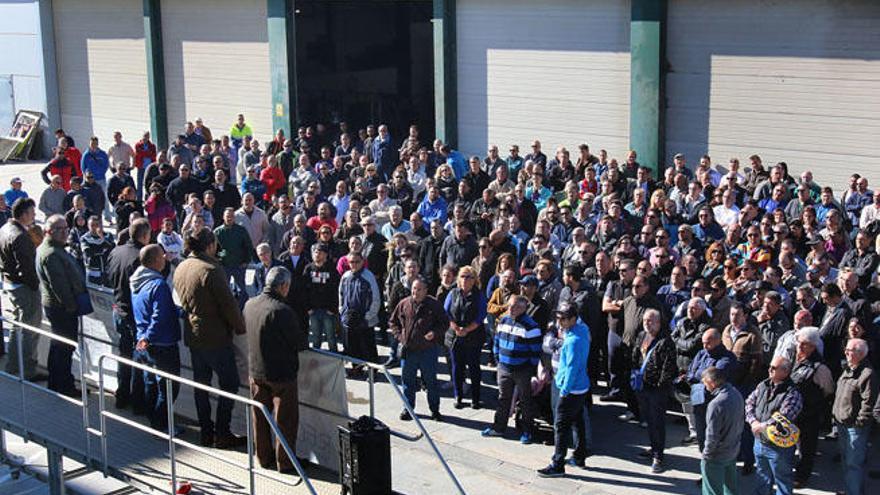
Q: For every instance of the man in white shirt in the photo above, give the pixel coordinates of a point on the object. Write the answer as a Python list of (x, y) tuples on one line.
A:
[(727, 212), (871, 212)]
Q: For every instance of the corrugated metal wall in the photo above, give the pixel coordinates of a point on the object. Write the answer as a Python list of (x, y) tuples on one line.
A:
[(557, 70), (793, 81), (102, 68), (217, 64)]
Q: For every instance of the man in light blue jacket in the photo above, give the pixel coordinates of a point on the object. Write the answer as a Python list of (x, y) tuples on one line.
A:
[(573, 384)]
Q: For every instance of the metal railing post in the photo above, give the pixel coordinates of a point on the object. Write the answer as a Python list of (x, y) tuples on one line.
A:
[(20, 353), (250, 447), (55, 461), (372, 376), (103, 419), (84, 391), (169, 399), (418, 423)]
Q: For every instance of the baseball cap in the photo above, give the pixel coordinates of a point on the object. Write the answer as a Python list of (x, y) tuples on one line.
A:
[(566, 311), (15, 179), (678, 156), (529, 280)]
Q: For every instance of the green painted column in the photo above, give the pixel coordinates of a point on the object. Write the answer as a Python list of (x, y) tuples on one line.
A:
[(282, 65), (156, 72), (445, 72), (647, 52)]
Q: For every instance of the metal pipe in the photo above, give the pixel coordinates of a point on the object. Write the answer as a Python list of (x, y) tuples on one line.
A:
[(371, 374), (171, 453), (418, 423), (250, 447), (20, 353), (101, 404)]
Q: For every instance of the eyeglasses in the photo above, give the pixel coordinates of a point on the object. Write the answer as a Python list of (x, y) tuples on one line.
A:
[(466, 277), (662, 236), (639, 286)]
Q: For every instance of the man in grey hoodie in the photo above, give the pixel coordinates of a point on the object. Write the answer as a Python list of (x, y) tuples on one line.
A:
[(725, 416)]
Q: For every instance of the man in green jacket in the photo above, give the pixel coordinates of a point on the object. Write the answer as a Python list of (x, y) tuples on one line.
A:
[(235, 251), (61, 282)]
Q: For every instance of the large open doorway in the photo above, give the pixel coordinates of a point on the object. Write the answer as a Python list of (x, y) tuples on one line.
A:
[(366, 61)]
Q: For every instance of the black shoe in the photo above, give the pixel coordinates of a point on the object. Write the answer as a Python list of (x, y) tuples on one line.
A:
[(436, 416), (799, 483), (207, 440), (475, 405), (122, 403), (747, 469), (575, 462), (39, 377), (73, 393), (458, 404), (229, 442), (689, 440), (552, 471), (404, 416), (647, 454)]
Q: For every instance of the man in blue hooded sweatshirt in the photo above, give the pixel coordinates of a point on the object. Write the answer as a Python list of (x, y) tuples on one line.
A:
[(158, 331), (573, 383)]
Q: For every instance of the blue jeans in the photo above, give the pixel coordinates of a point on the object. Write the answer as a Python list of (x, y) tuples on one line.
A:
[(423, 362), (164, 358), (237, 274), (205, 363), (60, 358), (853, 443), (773, 465), (652, 405), (108, 214), (322, 326), (588, 429)]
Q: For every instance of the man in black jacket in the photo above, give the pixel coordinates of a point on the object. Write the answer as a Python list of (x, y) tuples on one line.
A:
[(275, 339), (121, 264), (429, 255), (17, 264), (461, 248), (322, 289)]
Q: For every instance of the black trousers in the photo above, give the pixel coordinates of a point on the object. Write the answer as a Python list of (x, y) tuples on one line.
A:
[(569, 416)]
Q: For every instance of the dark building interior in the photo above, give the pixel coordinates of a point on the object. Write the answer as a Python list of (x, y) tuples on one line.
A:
[(366, 61)]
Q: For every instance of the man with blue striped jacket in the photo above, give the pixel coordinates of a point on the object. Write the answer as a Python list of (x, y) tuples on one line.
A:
[(517, 350)]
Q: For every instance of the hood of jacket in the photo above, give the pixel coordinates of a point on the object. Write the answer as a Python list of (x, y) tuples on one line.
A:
[(141, 276)]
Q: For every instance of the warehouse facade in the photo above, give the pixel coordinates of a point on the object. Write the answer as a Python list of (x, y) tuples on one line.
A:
[(791, 80)]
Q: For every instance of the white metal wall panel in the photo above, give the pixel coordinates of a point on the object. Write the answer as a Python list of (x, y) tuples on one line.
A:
[(102, 69), (556, 70), (217, 64), (794, 81)]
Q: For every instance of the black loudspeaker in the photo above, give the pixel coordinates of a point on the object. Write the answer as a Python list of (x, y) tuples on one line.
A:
[(365, 458)]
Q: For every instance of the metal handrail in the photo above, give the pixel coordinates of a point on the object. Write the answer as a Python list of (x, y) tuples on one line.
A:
[(169, 435), (371, 367), (83, 402)]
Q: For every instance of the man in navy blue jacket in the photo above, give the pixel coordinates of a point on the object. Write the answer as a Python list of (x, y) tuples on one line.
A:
[(158, 331)]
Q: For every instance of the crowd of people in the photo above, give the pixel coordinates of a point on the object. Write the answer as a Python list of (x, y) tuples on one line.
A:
[(745, 296)]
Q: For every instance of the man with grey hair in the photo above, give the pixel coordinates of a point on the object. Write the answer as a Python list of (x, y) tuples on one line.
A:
[(775, 394), (724, 417), (62, 283), (855, 397), (275, 339), (814, 381), (713, 355)]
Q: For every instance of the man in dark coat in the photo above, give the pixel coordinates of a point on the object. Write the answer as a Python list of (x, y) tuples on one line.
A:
[(275, 339)]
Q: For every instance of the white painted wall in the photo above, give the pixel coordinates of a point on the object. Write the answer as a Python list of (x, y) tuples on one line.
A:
[(217, 64), (22, 58), (556, 70), (102, 69), (793, 81)]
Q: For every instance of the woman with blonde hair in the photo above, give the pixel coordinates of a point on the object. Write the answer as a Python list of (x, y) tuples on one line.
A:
[(658, 200)]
